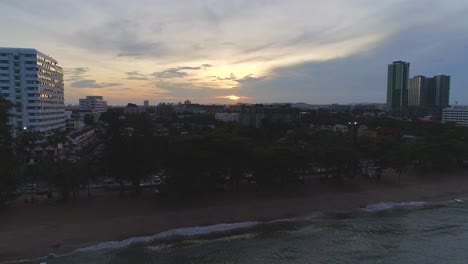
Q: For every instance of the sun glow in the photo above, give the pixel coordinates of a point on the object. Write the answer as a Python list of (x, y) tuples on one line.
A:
[(233, 97)]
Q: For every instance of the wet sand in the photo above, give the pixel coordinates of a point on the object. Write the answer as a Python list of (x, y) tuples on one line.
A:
[(29, 230)]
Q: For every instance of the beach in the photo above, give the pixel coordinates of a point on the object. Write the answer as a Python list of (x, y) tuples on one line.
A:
[(29, 230)]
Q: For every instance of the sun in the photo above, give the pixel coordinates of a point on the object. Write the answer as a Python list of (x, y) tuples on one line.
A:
[(233, 97)]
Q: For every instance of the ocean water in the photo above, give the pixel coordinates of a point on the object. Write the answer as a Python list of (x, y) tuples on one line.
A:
[(413, 232)]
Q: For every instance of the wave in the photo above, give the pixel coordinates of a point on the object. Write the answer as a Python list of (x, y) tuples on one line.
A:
[(225, 227), (180, 232), (389, 205)]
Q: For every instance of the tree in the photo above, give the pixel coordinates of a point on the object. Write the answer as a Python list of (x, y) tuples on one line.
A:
[(8, 164)]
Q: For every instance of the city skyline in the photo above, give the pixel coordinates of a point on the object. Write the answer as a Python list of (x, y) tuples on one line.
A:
[(217, 52)]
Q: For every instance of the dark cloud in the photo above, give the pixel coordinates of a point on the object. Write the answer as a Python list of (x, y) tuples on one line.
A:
[(189, 68), (231, 77), (76, 71), (246, 79), (178, 72), (121, 36), (430, 48), (170, 73), (91, 84), (249, 79), (76, 74), (135, 75), (206, 65)]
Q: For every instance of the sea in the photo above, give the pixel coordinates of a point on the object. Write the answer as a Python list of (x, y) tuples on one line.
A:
[(411, 232)]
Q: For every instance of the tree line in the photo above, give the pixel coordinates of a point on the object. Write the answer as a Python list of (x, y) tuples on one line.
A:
[(223, 158)]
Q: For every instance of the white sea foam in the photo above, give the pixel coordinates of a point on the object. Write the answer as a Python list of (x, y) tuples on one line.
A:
[(190, 231), (385, 206)]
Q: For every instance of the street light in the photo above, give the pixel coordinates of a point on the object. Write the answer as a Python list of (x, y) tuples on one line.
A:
[(353, 125)]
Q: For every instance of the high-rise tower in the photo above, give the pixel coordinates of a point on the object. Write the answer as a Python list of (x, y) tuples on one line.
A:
[(417, 91), (439, 90), (397, 86)]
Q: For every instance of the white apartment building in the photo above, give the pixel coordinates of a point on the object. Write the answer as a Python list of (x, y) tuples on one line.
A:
[(95, 103), (33, 82), (227, 117), (457, 114)]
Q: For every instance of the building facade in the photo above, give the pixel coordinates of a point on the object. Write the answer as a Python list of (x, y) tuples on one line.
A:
[(456, 114), (95, 103), (397, 86), (33, 82), (438, 88), (257, 115), (417, 91), (227, 117)]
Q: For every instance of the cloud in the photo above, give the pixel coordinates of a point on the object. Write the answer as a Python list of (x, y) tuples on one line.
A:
[(249, 79), (135, 75), (135, 54), (91, 84), (189, 68), (177, 72), (185, 90), (75, 74), (431, 48), (317, 51), (76, 71), (170, 73)]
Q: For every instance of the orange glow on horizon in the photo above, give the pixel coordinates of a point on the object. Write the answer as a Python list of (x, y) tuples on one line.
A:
[(233, 97)]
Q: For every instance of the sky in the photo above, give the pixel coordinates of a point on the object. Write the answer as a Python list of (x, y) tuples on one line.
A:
[(213, 51)]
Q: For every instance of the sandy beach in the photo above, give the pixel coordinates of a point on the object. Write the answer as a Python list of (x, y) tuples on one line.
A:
[(29, 230)]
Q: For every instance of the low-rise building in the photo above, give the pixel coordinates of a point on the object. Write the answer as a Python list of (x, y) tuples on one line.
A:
[(81, 137), (96, 104), (73, 120), (43, 151), (227, 117), (338, 128), (135, 109), (256, 115), (456, 114)]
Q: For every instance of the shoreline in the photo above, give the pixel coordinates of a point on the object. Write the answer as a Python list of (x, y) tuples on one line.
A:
[(28, 231)]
